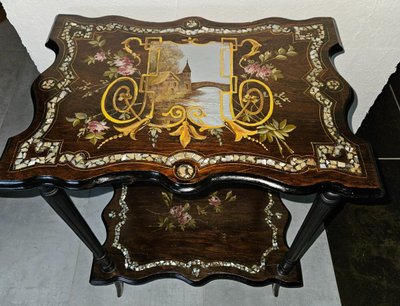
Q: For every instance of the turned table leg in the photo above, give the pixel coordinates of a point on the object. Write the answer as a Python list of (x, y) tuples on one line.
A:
[(275, 289), (62, 204), (120, 288), (313, 225)]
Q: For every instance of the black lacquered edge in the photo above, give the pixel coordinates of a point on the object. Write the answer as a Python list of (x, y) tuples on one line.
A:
[(209, 183), (333, 49)]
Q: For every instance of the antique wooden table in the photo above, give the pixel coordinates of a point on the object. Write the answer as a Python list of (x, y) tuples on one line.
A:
[(198, 125)]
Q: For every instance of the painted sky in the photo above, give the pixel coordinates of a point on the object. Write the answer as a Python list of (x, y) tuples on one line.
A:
[(204, 61)]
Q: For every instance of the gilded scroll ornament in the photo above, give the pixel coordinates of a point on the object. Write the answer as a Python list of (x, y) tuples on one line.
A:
[(169, 97)]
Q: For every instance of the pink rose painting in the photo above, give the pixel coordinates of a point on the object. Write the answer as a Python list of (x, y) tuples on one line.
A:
[(178, 212), (252, 68), (263, 72), (97, 126), (125, 66), (182, 215), (260, 71), (100, 56), (214, 201)]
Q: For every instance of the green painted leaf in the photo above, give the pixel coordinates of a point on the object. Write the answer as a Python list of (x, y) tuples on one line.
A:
[(233, 198), (186, 207), (276, 74), (267, 55), (102, 43), (99, 135), (191, 224), (76, 122), (270, 137), (281, 57), (281, 51), (170, 227), (282, 124), (228, 195), (89, 136), (81, 116), (270, 127), (93, 140), (200, 210), (108, 74), (121, 53), (167, 200), (288, 128), (262, 130), (279, 135), (90, 60), (246, 118), (218, 209), (69, 119), (161, 222)]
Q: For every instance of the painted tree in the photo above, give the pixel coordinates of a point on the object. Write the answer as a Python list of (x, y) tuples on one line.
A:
[(170, 54)]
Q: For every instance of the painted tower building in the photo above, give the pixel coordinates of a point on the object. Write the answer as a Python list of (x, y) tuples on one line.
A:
[(168, 85)]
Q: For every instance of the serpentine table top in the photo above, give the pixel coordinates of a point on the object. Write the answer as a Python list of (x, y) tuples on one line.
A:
[(189, 104), (201, 110)]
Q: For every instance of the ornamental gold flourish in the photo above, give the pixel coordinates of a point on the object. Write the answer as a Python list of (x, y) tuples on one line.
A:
[(127, 48), (127, 96), (185, 130), (255, 46), (246, 102), (122, 95), (255, 99)]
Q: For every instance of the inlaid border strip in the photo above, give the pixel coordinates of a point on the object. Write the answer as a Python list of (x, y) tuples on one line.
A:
[(196, 265), (72, 30)]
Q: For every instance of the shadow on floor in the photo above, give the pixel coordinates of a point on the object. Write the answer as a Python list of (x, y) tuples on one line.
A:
[(365, 239)]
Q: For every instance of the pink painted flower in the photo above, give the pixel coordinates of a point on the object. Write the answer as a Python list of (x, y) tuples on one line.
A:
[(123, 62), (252, 68), (97, 126), (214, 201), (176, 211), (263, 72), (126, 70), (100, 56), (125, 66), (184, 218)]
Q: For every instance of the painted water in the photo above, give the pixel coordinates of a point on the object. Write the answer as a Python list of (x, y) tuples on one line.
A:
[(196, 75), (209, 99)]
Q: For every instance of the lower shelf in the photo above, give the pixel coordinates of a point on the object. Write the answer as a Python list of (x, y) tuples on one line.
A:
[(232, 233)]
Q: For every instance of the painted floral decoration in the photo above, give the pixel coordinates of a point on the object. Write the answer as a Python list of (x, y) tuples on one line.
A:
[(258, 67), (181, 216), (262, 67), (90, 129), (120, 63)]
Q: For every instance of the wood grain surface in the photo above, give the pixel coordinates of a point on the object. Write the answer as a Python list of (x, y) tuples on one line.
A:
[(236, 233), (190, 104)]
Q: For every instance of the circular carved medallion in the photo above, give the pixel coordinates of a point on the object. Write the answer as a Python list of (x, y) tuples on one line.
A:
[(192, 24), (185, 171), (333, 84)]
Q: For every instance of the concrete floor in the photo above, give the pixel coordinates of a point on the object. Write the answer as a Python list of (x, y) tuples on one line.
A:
[(43, 263)]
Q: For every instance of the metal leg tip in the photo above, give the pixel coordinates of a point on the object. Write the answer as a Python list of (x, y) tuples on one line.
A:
[(120, 288), (275, 289)]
